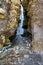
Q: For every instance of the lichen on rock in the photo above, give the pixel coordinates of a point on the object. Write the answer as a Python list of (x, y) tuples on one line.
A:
[(9, 19)]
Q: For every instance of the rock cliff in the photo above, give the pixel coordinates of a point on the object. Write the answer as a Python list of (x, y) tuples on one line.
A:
[(34, 10), (9, 19)]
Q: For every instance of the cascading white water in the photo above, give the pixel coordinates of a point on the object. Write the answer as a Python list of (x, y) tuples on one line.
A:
[(20, 30)]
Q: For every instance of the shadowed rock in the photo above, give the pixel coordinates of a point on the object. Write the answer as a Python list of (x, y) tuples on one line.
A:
[(34, 10)]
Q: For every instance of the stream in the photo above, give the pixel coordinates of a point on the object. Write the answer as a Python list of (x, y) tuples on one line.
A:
[(20, 51), (20, 30), (18, 39)]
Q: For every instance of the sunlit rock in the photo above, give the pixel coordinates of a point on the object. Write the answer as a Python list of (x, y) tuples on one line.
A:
[(1, 46), (9, 19)]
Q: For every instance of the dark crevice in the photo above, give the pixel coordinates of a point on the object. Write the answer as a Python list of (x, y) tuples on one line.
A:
[(26, 34)]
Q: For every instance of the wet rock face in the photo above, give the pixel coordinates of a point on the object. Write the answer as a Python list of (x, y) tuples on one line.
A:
[(9, 17), (25, 3), (27, 23), (34, 9)]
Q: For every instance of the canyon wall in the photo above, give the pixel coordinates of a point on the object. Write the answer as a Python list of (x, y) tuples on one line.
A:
[(34, 10), (9, 19)]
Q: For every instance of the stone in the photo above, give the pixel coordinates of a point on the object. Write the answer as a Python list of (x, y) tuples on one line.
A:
[(26, 56)]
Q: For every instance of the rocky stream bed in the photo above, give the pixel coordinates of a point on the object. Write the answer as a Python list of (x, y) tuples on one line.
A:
[(21, 53)]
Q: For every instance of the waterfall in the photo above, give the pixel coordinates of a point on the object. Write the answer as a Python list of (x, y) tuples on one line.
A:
[(20, 30)]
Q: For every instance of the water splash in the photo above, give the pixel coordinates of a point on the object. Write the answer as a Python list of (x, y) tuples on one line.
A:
[(20, 30)]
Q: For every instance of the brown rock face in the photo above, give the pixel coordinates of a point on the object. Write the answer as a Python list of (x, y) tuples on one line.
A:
[(35, 11), (37, 25), (9, 17)]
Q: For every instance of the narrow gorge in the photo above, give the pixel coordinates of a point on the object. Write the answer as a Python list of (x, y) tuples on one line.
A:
[(21, 34)]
